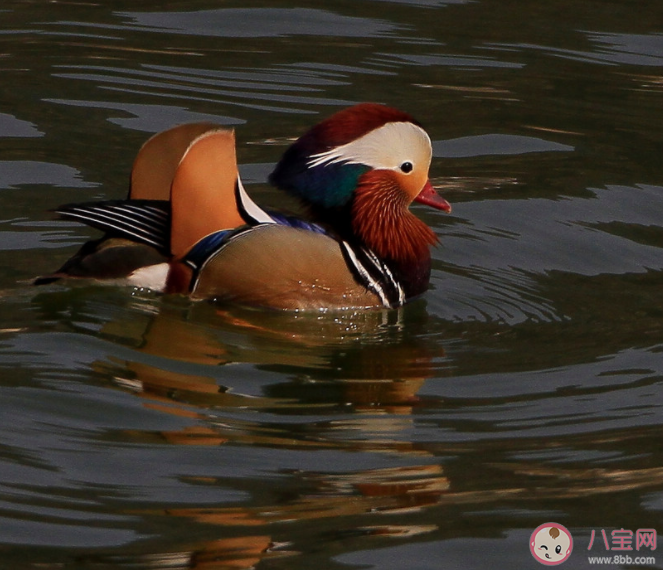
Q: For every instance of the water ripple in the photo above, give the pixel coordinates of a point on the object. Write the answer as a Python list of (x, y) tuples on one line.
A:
[(612, 49), (542, 236), (10, 126), (264, 23), (206, 85)]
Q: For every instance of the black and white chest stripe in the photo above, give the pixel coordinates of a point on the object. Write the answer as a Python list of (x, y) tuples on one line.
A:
[(374, 274)]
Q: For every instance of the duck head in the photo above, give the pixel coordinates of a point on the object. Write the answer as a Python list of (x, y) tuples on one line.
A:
[(360, 170)]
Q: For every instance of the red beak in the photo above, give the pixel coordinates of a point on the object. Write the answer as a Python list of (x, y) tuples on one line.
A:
[(430, 197)]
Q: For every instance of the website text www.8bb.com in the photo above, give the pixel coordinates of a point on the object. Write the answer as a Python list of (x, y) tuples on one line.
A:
[(622, 559)]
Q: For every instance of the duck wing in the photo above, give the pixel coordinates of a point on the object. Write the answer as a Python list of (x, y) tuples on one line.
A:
[(143, 221)]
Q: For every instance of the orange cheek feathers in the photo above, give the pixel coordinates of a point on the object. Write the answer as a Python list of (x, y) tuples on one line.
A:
[(411, 184)]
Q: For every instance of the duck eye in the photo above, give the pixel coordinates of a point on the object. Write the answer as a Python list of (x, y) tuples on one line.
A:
[(558, 548), (407, 167)]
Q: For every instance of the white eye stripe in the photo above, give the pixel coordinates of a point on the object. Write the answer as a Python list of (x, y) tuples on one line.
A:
[(333, 157), (387, 147), (328, 157)]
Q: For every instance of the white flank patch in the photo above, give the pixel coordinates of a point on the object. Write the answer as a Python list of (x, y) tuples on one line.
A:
[(151, 277), (250, 207)]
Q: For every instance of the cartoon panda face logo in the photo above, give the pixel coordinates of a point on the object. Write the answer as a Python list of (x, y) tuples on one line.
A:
[(551, 544)]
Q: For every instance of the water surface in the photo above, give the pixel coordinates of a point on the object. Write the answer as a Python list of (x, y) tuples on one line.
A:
[(142, 431)]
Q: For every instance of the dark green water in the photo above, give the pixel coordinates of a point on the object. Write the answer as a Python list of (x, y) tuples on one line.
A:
[(146, 432)]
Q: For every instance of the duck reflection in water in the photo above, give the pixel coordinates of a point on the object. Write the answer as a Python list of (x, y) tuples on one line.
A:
[(349, 387), (358, 374), (363, 359)]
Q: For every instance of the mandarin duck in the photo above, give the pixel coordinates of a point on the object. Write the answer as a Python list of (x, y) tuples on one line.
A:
[(189, 226)]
